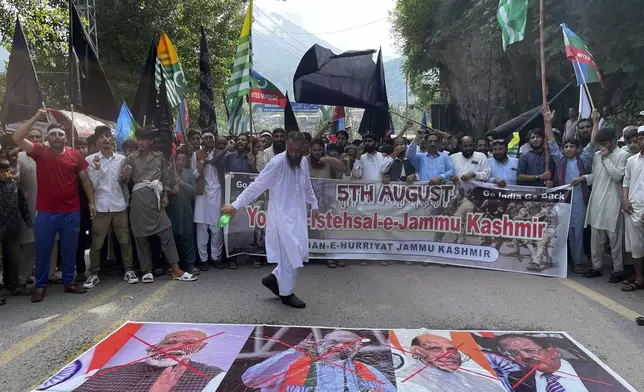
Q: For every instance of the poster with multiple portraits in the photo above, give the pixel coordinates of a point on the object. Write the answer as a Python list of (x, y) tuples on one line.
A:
[(182, 357)]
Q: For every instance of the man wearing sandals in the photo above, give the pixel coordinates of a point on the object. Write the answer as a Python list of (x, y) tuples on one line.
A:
[(57, 203), (633, 208), (151, 177), (286, 177)]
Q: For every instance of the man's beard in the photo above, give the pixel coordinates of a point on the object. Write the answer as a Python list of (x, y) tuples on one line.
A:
[(500, 158), (279, 147), (294, 162), (468, 154), (369, 148)]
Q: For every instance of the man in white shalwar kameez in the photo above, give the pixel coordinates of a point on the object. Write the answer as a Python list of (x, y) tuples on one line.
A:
[(207, 204), (286, 177)]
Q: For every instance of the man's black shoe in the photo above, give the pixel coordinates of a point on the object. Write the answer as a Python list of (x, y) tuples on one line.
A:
[(616, 277), (293, 301), (270, 282), (593, 273)]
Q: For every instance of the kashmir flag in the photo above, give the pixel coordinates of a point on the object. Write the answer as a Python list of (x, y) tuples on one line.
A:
[(238, 119), (240, 79), (583, 62), (513, 145), (264, 91), (512, 16), (169, 70), (125, 126)]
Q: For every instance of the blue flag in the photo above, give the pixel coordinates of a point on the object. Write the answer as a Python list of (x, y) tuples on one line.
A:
[(125, 126), (423, 121)]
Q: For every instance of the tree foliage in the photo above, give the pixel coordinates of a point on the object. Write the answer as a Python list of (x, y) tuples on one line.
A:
[(431, 33), (125, 30)]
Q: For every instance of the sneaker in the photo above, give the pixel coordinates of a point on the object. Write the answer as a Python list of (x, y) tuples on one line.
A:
[(92, 281), (131, 277)]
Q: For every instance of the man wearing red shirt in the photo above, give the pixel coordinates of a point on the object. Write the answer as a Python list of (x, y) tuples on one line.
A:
[(57, 203)]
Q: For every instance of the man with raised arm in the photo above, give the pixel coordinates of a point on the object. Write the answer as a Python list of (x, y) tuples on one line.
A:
[(57, 203)]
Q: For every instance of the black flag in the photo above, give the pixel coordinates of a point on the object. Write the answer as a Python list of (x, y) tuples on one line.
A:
[(347, 79), (145, 99), (377, 119), (163, 120), (97, 97), (75, 92), (207, 117), (23, 96), (290, 122)]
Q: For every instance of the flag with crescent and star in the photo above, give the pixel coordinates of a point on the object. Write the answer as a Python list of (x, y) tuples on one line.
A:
[(264, 91)]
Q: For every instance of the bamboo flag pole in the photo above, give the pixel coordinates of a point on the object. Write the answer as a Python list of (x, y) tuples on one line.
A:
[(544, 81)]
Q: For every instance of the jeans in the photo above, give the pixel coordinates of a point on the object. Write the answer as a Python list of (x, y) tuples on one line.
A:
[(576, 244), (46, 226)]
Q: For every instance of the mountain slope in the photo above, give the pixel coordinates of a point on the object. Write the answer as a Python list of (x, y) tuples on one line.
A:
[(4, 57), (276, 54)]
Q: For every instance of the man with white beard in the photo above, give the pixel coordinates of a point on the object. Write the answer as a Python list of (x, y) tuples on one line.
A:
[(168, 368), (286, 176)]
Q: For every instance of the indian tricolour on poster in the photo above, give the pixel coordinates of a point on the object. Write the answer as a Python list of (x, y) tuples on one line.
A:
[(142, 356), (517, 228)]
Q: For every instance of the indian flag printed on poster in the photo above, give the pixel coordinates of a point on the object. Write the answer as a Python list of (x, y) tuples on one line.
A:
[(169, 69), (239, 83)]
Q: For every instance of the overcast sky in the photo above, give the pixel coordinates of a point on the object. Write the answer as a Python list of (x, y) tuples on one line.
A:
[(319, 16)]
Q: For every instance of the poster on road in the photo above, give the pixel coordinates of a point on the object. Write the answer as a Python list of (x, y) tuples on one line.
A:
[(142, 356), (519, 229)]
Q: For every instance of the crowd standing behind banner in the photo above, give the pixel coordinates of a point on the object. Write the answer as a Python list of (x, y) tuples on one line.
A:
[(158, 210)]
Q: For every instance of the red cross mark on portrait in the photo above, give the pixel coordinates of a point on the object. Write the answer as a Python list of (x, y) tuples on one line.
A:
[(156, 351)]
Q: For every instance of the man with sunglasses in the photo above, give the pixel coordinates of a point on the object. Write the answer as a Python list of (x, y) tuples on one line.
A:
[(58, 203)]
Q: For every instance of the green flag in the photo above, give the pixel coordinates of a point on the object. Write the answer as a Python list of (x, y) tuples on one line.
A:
[(512, 15), (239, 83)]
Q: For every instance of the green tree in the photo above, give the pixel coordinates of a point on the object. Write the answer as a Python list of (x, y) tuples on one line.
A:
[(125, 30)]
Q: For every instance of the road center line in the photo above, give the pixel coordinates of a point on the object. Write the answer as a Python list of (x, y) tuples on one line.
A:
[(601, 299), (54, 326)]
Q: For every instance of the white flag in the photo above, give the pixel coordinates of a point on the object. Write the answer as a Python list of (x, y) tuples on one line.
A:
[(585, 108)]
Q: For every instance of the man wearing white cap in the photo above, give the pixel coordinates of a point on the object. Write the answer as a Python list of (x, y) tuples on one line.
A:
[(629, 140), (639, 119)]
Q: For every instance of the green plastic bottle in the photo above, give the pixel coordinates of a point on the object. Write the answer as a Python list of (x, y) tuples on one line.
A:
[(223, 221)]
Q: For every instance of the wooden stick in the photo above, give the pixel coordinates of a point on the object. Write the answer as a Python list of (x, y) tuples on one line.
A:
[(544, 81), (46, 115), (583, 79)]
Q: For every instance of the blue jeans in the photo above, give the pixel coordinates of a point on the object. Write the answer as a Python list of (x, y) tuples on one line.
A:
[(46, 226), (576, 243)]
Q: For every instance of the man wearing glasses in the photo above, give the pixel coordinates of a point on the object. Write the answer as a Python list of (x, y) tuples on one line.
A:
[(57, 203), (434, 363), (548, 371)]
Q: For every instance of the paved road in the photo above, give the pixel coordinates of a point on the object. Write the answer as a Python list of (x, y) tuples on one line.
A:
[(38, 339)]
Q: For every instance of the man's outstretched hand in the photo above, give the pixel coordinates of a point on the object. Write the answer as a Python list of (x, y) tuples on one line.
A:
[(229, 210)]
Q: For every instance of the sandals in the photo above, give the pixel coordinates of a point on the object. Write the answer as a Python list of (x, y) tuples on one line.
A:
[(232, 265), (55, 280), (640, 321), (158, 272), (2, 301), (257, 264), (534, 267), (186, 277), (592, 273), (194, 270), (148, 278), (630, 287), (331, 264), (341, 263)]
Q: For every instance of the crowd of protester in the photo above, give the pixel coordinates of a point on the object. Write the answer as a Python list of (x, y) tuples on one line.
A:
[(144, 216)]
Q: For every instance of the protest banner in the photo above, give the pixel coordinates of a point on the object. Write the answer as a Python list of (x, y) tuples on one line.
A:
[(143, 356), (520, 229)]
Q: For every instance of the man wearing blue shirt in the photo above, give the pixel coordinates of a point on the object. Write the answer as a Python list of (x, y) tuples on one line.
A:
[(432, 166), (504, 168)]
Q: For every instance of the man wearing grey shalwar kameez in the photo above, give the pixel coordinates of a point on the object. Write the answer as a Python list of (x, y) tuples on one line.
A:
[(152, 180)]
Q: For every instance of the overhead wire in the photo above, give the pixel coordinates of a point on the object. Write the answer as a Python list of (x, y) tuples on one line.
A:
[(280, 27), (291, 47), (340, 31)]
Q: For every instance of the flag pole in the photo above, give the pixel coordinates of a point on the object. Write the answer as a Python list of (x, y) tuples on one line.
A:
[(583, 79), (73, 136), (544, 81)]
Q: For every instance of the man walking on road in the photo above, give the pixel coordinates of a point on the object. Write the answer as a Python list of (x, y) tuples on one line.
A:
[(287, 240), (58, 202), (111, 197)]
